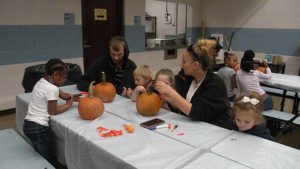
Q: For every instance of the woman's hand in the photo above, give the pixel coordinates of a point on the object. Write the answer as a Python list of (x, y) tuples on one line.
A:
[(170, 95), (165, 90)]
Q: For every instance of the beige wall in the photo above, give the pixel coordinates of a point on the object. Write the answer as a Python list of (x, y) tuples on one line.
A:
[(134, 8), (261, 14), (252, 14), (38, 12)]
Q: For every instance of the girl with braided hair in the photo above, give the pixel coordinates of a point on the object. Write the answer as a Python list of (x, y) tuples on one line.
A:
[(43, 104)]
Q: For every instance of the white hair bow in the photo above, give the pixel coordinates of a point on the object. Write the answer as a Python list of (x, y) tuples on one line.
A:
[(253, 101)]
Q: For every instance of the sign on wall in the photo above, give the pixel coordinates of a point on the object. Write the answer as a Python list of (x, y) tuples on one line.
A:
[(100, 14)]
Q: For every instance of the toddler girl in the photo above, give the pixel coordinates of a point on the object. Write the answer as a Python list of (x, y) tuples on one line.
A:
[(166, 76), (248, 118)]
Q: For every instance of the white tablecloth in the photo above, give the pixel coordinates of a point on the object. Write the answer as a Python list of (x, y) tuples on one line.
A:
[(284, 81), (78, 143), (257, 153), (213, 161)]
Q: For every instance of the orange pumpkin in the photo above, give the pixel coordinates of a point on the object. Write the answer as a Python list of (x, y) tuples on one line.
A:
[(148, 104), (105, 90), (262, 69), (90, 107)]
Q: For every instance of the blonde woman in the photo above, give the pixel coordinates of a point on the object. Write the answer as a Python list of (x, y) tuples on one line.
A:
[(203, 95)]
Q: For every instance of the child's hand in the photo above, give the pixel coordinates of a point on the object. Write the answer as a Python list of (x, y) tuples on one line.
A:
[(264, 64), (140, 89), (129, 92), (69, 102), (77, 99), (237, 67), (124, 91)]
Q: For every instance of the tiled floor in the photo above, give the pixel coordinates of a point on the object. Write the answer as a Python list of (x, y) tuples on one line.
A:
[(7, 119), (292, 138)]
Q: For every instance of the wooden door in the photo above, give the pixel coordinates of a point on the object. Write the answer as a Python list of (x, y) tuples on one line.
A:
[(101, 20)]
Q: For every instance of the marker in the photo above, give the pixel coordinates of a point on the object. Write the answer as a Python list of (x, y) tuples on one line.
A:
[(159, 127), (175, 127)]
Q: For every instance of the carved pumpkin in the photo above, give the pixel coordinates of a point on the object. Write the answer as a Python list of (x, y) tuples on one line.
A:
[(148, 104), (105, 90), (262, 69), (90, 107)]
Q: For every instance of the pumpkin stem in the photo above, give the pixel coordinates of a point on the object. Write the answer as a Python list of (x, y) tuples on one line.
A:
[(149, 91), (90, 89), (103, 77)]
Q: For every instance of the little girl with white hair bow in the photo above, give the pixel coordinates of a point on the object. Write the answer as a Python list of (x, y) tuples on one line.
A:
[(248, 118)]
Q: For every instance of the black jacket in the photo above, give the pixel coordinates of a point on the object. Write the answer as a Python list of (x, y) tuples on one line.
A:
[(94, 73), (260, 130), (210, 102)]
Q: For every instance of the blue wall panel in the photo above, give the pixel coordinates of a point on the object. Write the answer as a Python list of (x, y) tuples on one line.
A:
[(135, 36), (274, 41), (31, 43), (194, 33)]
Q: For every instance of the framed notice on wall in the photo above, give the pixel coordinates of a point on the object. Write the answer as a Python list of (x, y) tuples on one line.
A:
[(150, 25), (100, 14)]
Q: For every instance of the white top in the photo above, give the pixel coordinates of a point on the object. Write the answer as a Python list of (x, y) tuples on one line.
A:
[(43, 92), (193, 88), (247, 82), (226, 73)]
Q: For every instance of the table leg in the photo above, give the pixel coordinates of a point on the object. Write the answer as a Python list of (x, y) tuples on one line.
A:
[(283, 100)]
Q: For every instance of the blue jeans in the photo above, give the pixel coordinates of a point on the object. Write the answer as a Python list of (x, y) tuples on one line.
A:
[(39, 136), (268, 103)]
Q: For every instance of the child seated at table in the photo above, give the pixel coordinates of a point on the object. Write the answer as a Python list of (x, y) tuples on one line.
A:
[(166, 76), (266, 74), (43, 104), (247, 80), (248, 118), (227, 73), (142, 79)]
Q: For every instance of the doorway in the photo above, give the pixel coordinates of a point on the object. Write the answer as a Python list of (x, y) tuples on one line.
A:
[(101, 20)]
